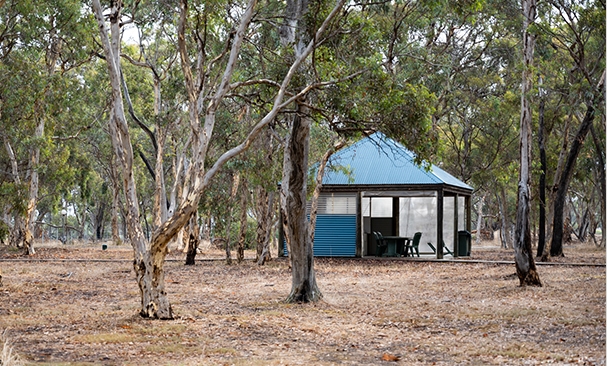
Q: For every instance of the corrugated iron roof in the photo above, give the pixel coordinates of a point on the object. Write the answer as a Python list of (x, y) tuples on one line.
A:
[(379, 160)]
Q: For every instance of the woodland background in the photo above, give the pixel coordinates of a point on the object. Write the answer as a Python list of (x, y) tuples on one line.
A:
[(442, 77)]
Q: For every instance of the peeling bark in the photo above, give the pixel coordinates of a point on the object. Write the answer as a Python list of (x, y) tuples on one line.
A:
[(149, 259), (293, 194), (523, 256)]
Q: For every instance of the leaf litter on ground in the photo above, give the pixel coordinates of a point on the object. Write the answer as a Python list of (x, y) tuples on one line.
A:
[(396, 311)]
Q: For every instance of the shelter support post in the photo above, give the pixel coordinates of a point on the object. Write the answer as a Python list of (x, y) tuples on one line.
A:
[(455, 225), (360, 232), (468, 203), (439, 224)]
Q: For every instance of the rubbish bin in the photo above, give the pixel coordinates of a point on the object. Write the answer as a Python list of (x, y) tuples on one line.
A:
[(464, 241)]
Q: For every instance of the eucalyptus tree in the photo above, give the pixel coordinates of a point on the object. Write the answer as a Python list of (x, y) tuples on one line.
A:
[(42, 43), (523, 255), (204, 97), (579, 31), (468, 60)]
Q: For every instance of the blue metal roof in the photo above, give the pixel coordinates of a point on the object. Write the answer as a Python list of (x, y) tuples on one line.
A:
[(379, 160)]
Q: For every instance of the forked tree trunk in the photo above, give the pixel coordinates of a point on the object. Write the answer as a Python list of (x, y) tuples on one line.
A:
[(523, 256), (149, 259)]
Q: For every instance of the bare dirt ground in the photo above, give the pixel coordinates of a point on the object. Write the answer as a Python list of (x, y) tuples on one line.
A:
[(375, 311)]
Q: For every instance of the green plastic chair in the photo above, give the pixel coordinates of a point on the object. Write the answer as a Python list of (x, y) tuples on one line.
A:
[(415, 243), (445, 249), (381, 244)]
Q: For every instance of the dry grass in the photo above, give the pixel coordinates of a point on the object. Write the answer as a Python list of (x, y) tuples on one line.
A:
[(373, 312), (8, 357)]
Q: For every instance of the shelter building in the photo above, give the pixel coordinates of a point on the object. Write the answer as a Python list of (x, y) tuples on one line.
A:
[(374, 185)]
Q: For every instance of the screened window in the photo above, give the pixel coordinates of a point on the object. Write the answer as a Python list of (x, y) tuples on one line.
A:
[(381, 207), (337, 204)]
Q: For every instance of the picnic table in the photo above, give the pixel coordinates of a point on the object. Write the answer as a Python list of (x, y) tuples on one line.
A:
[(397, 245)]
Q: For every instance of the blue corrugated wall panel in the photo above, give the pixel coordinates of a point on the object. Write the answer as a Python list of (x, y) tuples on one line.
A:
[(335, 236)]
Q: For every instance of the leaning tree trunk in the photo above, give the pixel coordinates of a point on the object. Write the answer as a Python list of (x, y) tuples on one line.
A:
[(523, 255), (293, 194), (556, 245)]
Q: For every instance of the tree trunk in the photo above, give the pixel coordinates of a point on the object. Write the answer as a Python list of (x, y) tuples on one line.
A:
[(505, 221), (17, 232), (264, 225), (552, 193), (243, 221), (523, 256), (149, 269), (293, 194), (16, 236), (52, 53), (264, 207), (479, 219), (115, 189), (34, 185), (193, 240), (99, 218), (228, 243), (149, 259), (541, 242), (584, 224), (602, 179), (261, 211), (556, 245)]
